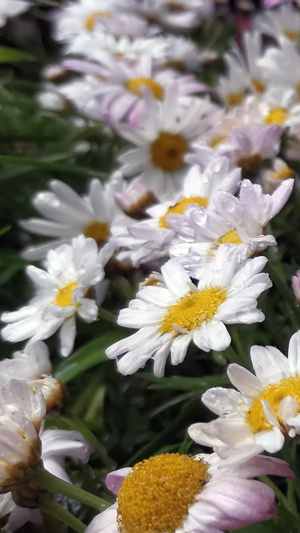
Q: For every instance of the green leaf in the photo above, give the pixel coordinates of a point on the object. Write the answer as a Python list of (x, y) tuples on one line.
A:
[(90, 355), (182, 383), (12, 55)]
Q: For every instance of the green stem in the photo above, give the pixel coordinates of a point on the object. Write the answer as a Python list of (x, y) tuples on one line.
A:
[(48, 481), (52, 508), (107, 315), (285, 291), (231, 355), (283, 499), (239, 346)]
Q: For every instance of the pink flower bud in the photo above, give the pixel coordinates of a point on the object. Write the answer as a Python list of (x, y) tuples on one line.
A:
[(296, 286), (135, 198)]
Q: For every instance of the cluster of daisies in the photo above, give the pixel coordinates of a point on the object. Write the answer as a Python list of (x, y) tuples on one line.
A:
[(189, 206)]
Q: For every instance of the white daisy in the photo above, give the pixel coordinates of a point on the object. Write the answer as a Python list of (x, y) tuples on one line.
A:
[(122, 87), (169, 318), (179, 493), (281, 66), (239, 221), (164, 140), (21, 413), (278, 22), (61, 294), (11, 8), (182, 14), (272, 178), (89, 16), (33, 366), (149, 239), (264, 412), (66, 215), (56, 444)]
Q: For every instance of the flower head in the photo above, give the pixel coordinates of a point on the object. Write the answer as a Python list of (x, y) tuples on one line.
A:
[(264, 411), (61, 294), (67, 215), (169, 317), (174, 492)]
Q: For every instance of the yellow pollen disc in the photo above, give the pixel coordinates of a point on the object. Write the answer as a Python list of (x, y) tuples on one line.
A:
[(99, 231), (218, 139), (258, 85), (175, 7), (168, 150), (234, 99), (284, 173), (155, 497), (273, 394), (230, 237), (90, 21), (278, 115), (180, 208), (249, 163), (291, 34), (193, 310), (136, 84), (64, 296)]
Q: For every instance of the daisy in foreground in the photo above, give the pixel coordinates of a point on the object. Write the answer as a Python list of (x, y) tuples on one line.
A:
[(177, 493), (169, 317), (266, 410), (61, 294)]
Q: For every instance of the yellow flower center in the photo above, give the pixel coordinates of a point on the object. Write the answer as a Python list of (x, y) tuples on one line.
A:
[(258, 85), (278, 115), (291, 34), (180, 208), (284, 173), (193, 310), (175, 7), (231, 237), (155, 497), (249, 163), (217, 140), (99, 231), (234, 99), (168, 150), (274, 394), (64, 296), (90, 21), (136, 84)]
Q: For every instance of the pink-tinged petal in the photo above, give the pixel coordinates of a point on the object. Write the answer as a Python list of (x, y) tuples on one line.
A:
[(106, 522), (243, 380), (115, 479), (242, 502), (265, 466)]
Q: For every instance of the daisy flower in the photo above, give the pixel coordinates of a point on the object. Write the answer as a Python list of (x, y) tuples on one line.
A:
[(239, 221), (264, 412), (164, 139), (85, 17), (33, 366), (56, 445), (182, 14), (11, 8), (283, 21), (169, 318), (61, 294), (121, 86), (272, 178), (252, 48), (282, 67), (249, 145), (21, 414), (176, 493), (148, 239), (66, 215)]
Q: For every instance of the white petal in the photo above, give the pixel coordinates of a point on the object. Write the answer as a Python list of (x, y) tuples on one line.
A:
[(271, 441), (294, 353), (243, 380), (67, 336), (179, 348), (176, 278), (269, 364)]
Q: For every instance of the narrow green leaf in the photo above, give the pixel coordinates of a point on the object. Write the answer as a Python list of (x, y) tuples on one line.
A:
[(48, 165), (12, 55), (182, 383), (90, 355)]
